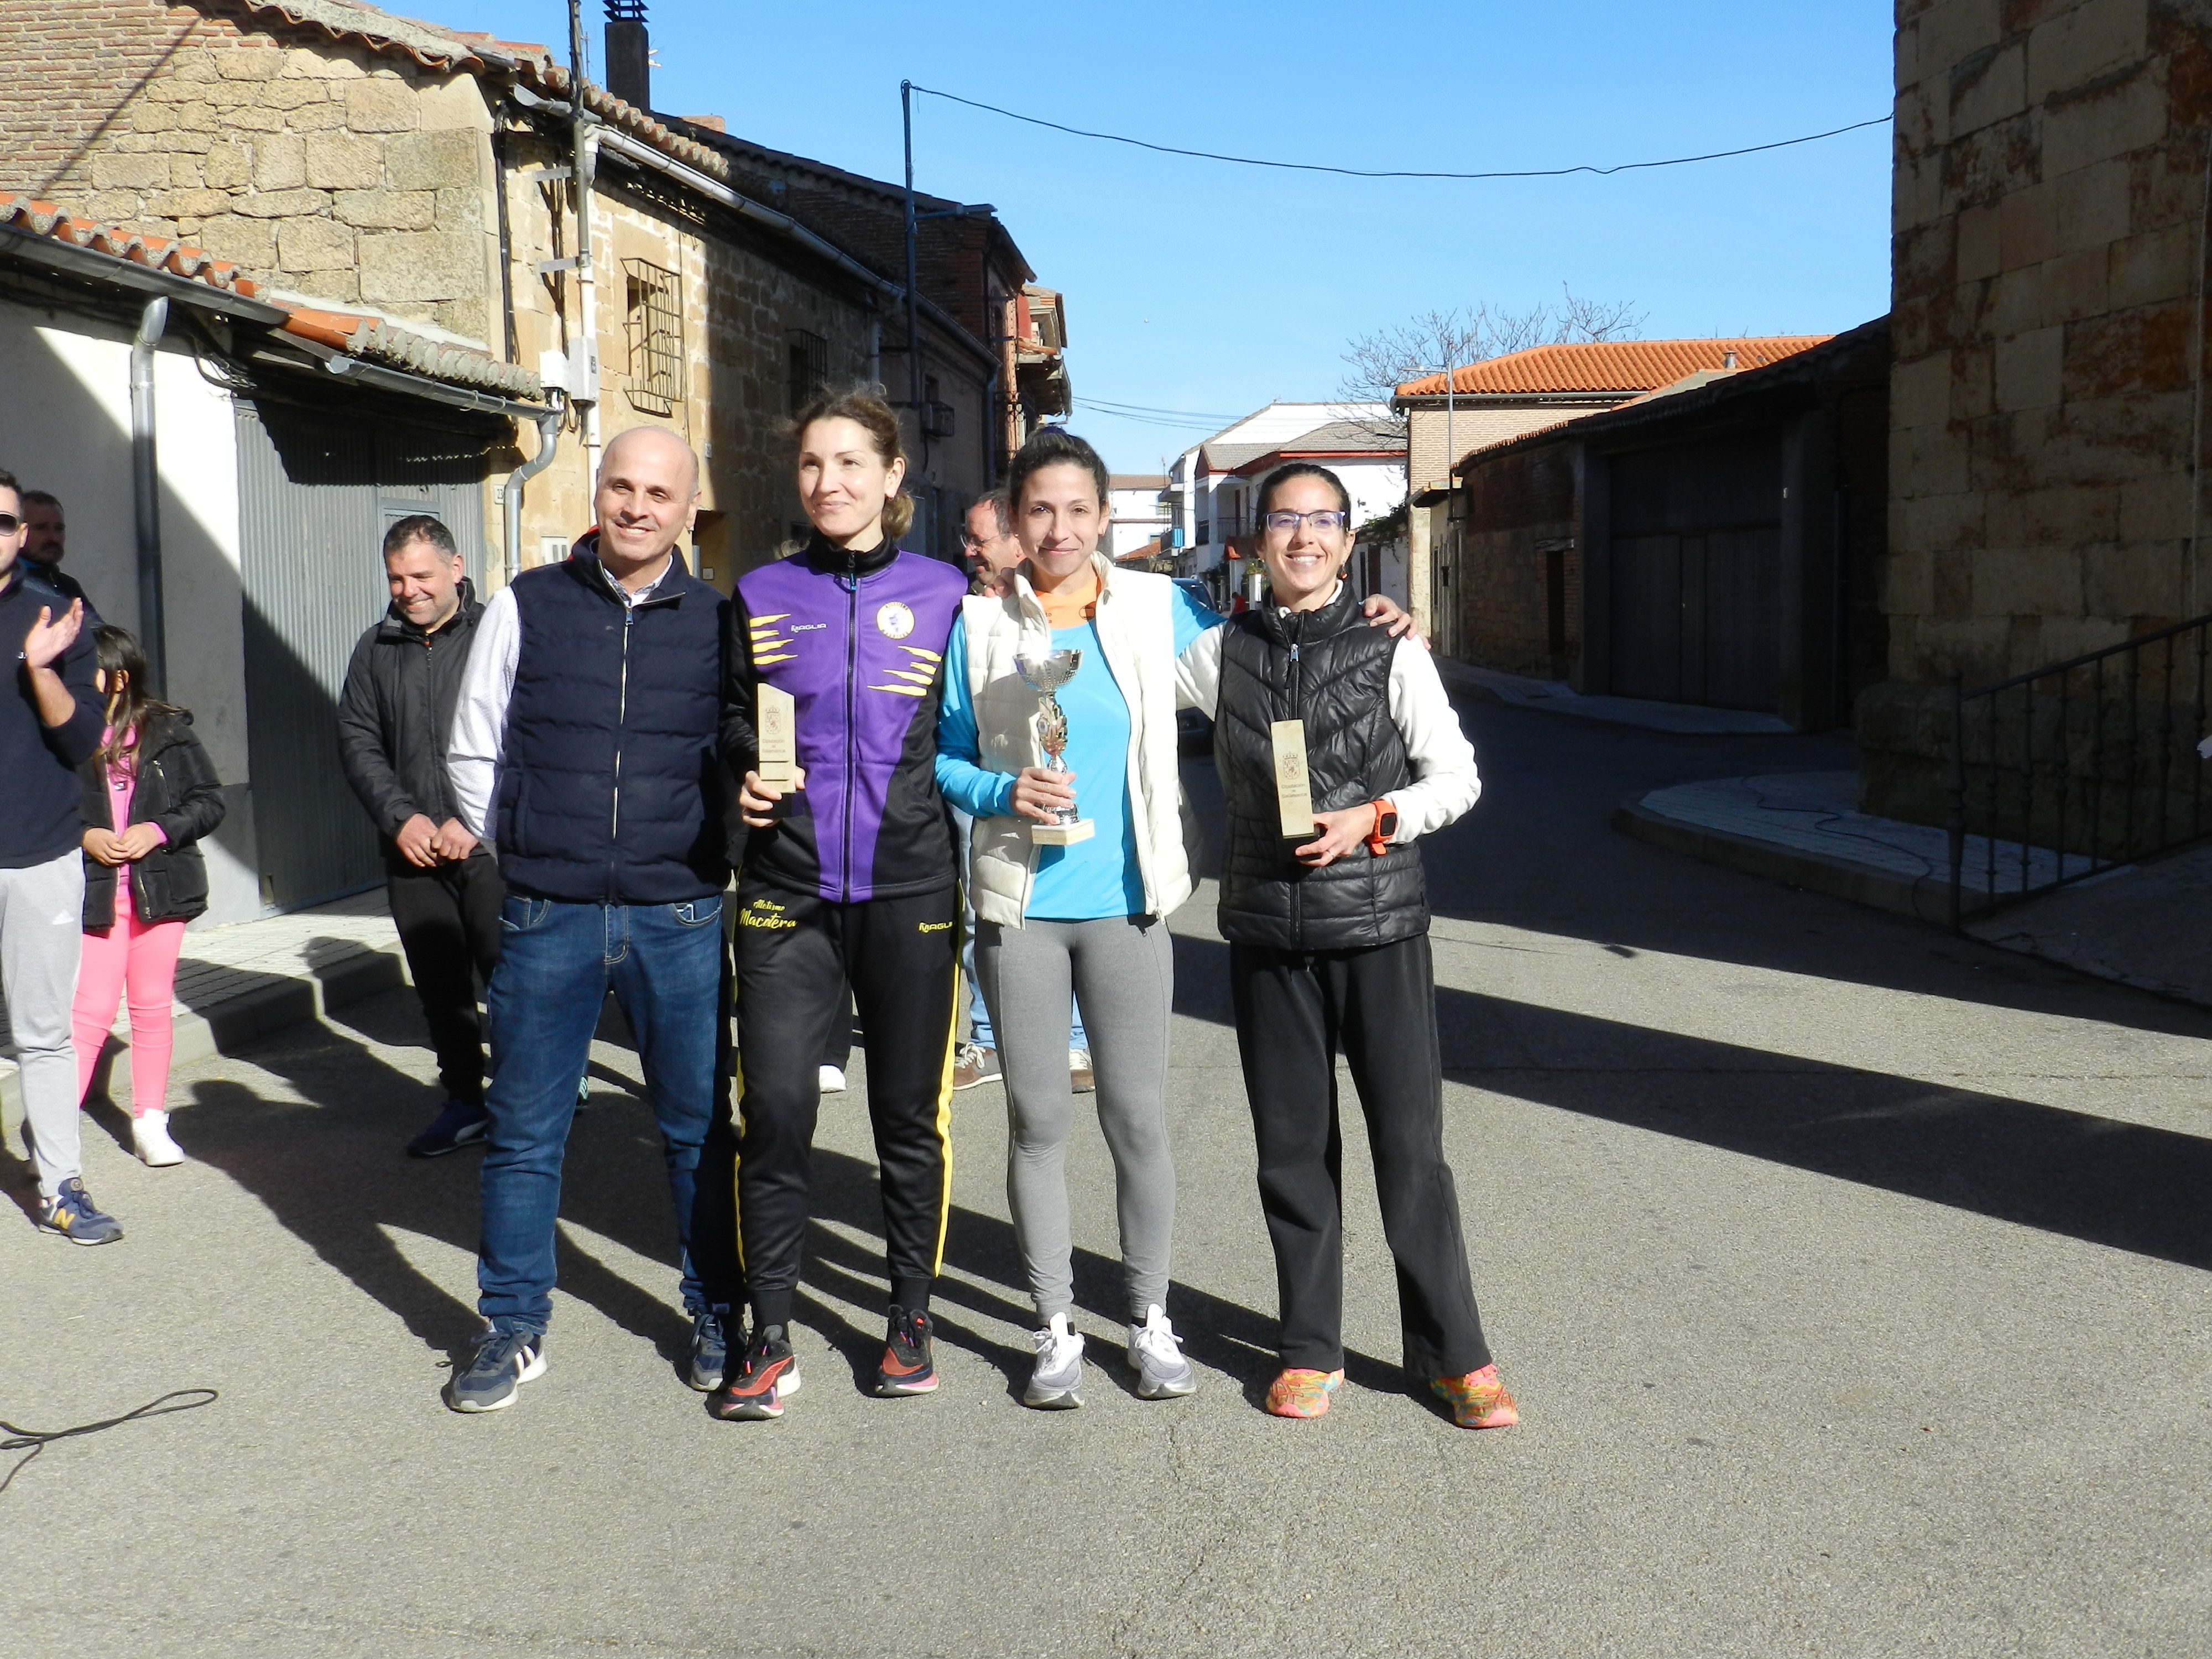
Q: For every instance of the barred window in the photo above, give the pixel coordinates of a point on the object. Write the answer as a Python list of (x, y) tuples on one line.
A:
[(810, 366), (652, 319)]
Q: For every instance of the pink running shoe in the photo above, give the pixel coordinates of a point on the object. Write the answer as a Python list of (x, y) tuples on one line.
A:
[(1301, 1393), (1478, 1400)]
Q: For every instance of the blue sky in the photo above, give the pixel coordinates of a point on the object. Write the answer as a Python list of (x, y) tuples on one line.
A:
[(1210, 289)]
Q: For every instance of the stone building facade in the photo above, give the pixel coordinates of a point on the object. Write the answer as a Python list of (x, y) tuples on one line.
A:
[(355, 162), (2049, 197)]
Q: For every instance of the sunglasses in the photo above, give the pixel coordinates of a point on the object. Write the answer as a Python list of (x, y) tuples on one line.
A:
[(10, 523)]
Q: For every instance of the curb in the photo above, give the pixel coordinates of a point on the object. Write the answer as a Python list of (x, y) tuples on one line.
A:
[(1921, 897), (237, 1021)]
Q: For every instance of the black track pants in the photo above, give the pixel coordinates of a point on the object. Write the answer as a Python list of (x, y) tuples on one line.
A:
[(795, 955), (447, 919), (1294, 1010)]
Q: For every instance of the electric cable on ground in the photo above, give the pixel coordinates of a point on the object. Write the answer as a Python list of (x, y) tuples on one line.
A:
[(32, 1442)]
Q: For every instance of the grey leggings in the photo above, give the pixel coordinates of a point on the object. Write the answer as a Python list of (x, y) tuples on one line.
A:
[(1121, 969)]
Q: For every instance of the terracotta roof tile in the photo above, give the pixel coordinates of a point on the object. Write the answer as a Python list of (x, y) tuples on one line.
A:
[(1614, 366), (154, 252), (370, 338)]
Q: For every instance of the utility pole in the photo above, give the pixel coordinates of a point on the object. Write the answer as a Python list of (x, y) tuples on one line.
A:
[(913, 299), (587, 304)]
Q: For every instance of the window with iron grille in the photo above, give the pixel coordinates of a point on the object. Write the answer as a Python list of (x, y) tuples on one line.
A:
[(653, 319), (810, 366)]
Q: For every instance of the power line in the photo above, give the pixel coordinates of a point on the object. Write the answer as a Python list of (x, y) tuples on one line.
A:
[(1148, 420), (1395, 172), (1153, 409)]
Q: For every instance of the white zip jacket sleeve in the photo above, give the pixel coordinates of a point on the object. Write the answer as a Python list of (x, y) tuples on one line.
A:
[(1445, 781), (479, 735)]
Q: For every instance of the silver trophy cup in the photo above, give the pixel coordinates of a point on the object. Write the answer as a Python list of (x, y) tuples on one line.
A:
[(1045, 675)]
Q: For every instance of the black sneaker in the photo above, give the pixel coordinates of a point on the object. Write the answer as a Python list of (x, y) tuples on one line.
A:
[(757, 1391), (71, 1213), (907, 1366), (710, 1351), (503, 1362)]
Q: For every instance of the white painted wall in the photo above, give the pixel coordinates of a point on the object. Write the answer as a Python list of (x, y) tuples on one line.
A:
[(65, 427), (1136, 517)]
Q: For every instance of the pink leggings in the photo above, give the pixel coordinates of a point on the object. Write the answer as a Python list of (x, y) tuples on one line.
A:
[(143, 957)]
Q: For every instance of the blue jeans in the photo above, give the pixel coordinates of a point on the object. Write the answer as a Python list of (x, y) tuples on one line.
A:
[(557, 962), (979, 1017)]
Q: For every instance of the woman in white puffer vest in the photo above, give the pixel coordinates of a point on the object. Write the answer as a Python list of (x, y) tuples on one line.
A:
[(1089, 915)]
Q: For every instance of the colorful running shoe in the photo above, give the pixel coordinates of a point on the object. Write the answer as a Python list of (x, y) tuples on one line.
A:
[(907, 1366), (72, 1214), (1478, 1400), (1299, 1392), (760, 1386)]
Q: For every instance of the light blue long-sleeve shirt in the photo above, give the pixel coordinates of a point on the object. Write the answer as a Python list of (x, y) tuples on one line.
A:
[(1094, 878)]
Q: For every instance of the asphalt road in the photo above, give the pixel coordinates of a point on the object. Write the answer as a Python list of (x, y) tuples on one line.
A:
[(1852, 1280)]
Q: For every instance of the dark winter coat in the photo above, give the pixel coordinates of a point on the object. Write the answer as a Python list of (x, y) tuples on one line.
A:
[(1329, 669), (177, 789), (396, 715), (39, 816)]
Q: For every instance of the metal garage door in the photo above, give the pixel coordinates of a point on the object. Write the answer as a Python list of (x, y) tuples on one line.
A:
[(315, 497), (1696, 578)]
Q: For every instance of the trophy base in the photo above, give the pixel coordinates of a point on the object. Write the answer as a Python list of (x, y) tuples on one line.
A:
[(1061, 835)]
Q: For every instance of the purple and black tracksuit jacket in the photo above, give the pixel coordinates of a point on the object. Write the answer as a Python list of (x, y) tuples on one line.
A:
[(856, 884)]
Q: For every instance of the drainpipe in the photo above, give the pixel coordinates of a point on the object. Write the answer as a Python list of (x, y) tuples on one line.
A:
[(549, 433), (146, 489)]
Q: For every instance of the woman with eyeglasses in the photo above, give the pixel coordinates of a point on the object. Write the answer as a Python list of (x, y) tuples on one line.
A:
[(1328, 945)]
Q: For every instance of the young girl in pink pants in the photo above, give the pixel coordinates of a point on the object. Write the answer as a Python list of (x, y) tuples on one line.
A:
[(149, 794)]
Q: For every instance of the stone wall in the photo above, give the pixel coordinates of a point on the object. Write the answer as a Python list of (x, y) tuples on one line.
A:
[(331, 169), (1520, 562), (2049, 195)]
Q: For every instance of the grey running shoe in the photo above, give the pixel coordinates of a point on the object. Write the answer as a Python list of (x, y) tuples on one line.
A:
[(1056, 1385), (1081, 1079), (1162, 1372), (503, 1361)]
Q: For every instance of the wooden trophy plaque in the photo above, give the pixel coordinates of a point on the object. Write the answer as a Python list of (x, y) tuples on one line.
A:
[(1293, 786), (775, 725)]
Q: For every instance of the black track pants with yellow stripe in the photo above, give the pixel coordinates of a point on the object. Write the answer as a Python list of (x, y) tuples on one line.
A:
[(795, 954)]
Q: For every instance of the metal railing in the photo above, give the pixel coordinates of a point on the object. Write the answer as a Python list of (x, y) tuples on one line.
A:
[(2065, 772)]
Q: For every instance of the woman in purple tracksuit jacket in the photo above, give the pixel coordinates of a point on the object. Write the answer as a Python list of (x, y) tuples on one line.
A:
[(851, 880)]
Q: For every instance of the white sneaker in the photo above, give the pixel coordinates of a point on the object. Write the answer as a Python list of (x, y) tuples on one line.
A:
[(1162, 1372), (1080, 1078), (833, 1080), (1055, 1384), (149, 1138)]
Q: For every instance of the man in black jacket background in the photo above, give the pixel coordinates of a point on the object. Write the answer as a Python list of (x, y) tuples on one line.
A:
[(393, 720)]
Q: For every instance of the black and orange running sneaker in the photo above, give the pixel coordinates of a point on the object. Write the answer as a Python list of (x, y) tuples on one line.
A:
[(907, 1366), (756, 1390)]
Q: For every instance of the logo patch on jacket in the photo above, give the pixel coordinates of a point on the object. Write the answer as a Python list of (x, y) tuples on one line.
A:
[(895, 620)]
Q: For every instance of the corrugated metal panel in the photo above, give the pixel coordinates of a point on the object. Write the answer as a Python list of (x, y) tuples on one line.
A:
[(315, 497)]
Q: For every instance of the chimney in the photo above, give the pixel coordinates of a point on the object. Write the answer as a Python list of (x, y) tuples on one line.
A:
[(628, 56), (1728, 357)]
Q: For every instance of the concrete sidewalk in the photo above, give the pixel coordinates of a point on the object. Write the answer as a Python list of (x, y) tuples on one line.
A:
[(2139, 924), (239, 983)]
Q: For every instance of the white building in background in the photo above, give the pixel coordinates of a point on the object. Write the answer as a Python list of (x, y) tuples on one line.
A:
[(1213, 488), (1139, 520)]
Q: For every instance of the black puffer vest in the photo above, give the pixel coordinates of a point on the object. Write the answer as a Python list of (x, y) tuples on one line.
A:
[(610, 791), (1331, 670)]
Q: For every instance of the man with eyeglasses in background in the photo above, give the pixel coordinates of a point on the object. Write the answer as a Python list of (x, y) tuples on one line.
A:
[(50, 724)]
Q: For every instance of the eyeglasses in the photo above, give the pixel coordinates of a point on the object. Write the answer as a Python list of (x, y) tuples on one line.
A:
[(10, 523), (1327, 518)]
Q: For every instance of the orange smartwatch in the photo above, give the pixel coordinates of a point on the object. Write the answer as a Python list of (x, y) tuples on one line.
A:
[(1386, 825)]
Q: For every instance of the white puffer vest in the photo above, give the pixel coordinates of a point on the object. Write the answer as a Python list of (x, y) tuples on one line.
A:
[(1135, 620)]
